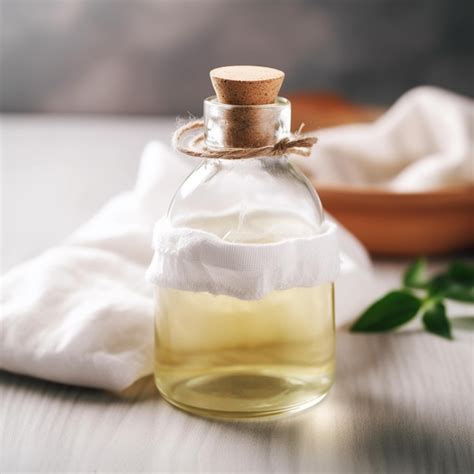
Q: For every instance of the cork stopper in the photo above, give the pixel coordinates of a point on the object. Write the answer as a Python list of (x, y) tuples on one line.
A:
[(246, 85), (246, 111)]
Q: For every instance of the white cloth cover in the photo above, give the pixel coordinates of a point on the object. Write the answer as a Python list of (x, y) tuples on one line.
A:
[(82, 313), (423, 142), (195, 260)]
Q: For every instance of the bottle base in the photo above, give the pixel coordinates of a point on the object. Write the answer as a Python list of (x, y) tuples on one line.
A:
[(245, 396)]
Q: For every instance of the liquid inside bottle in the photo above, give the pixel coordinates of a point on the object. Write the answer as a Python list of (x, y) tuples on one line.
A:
[(221, 356)]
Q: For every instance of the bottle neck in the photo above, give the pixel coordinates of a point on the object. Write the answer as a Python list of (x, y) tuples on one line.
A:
[(245, 126)]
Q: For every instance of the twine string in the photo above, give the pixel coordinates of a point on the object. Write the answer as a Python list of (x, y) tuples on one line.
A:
[(294, 144)]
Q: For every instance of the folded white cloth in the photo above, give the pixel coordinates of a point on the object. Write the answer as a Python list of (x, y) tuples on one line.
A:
[(81, 313), (424, 141)]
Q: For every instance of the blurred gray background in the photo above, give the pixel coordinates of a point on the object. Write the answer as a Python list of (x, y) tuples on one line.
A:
[(153, 57)]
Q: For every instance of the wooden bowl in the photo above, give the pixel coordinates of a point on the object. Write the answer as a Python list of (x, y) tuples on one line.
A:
[(388, 223), (322, 109), (405, 224)]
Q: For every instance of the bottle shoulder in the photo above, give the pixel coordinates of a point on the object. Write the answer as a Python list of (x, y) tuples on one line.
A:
[(248, 200)]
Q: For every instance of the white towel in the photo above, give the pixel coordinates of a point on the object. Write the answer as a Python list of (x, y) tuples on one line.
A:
[(424, 141), (81, 313)]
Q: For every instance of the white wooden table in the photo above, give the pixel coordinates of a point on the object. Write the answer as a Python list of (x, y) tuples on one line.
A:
[(402, 402)]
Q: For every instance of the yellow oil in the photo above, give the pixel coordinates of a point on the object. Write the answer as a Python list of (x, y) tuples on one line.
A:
[(220, 356)]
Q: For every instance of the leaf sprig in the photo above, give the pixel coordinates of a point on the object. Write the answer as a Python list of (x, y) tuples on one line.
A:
[(421, 296)]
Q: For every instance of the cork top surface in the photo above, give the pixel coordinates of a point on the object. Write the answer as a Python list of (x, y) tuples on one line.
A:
[(246, 85)]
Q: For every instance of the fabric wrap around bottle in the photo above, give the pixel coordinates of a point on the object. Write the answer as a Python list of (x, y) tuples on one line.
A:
[(195, 260)]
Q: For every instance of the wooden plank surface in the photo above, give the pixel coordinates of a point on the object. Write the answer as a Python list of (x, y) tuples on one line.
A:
[(401, 403)]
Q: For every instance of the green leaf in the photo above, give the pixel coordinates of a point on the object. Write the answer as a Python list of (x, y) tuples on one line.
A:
[(435, 320), (439, 283), (415, 275), (460, 293), (462, 273), (445, 286), (393, 310)]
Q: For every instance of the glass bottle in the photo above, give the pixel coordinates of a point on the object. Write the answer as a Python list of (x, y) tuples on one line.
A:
[(221, 356)]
